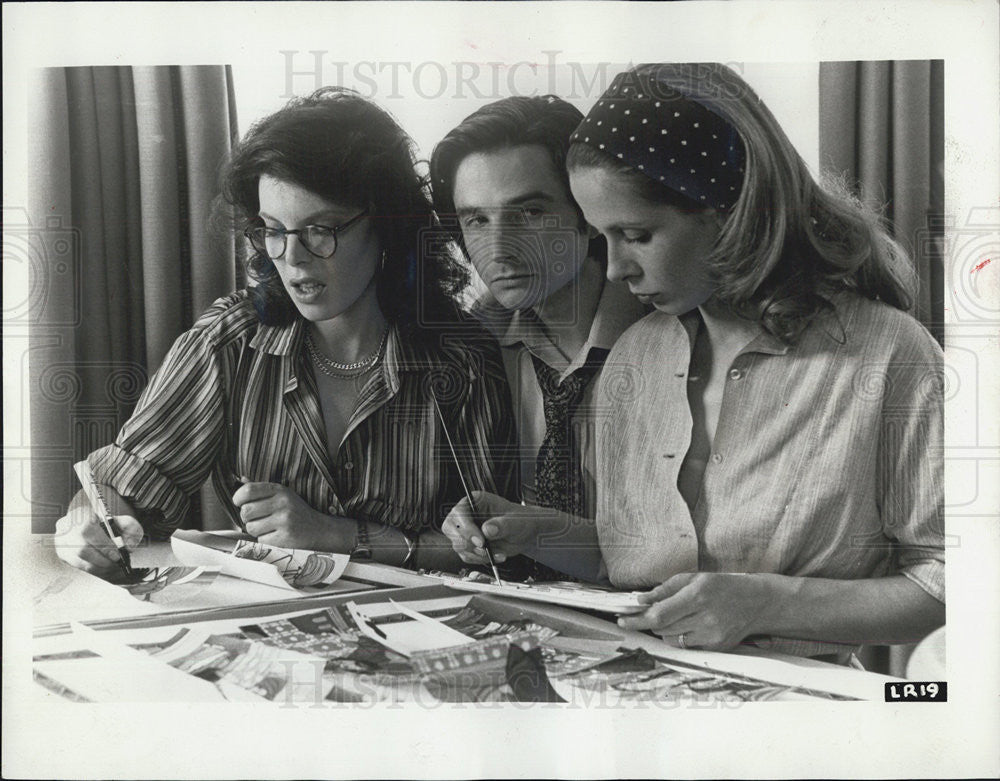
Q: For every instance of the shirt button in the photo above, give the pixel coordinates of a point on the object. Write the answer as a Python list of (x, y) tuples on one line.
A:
[(348, 465), (332, 509), (679, 374), (735, 374), (716, 458)]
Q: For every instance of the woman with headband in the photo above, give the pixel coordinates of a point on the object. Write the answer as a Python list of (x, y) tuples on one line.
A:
[(769, 456)]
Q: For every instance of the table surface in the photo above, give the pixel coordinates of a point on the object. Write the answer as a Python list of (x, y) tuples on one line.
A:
[(62, 594)]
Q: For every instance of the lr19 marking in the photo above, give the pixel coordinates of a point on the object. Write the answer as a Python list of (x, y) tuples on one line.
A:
[(916, 691)]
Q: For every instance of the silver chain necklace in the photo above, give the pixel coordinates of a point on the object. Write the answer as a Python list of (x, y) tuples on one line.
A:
[(333, 368)]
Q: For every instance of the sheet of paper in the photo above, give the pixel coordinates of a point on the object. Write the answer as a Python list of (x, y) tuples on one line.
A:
[(384, 574), (307, 660), (558, 593), (173, 587), (69, 593), (119, 673), (299, 568), (389, 606), (175, 664), (282, 568), (420, 633), (243, 669)]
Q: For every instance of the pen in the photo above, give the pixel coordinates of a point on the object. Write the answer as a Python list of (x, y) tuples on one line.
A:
[(97, 503), (239, 519), (465, 486)]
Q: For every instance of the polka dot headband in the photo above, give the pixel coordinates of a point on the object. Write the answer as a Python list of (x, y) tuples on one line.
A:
[(673, 138)]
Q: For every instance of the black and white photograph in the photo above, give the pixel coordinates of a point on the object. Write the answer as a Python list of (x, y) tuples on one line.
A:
[(532, 389)]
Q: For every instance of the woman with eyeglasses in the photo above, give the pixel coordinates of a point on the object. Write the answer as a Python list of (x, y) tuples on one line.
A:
[(311, 397)]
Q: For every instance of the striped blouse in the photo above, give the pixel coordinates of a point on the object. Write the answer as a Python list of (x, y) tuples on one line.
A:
[(238, 398), (827, 459)]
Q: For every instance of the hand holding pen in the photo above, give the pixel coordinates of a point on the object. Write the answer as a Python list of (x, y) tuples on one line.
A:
[(93, 538)]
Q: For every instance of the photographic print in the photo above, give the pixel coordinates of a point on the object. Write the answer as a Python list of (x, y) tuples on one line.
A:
[(670, 328)]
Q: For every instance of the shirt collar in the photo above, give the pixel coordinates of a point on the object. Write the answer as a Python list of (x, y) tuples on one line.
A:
[(403, 354), (617, 309), (832, 325), (283, 341), (488, 312), (278, 339), (758, 340), (766, 342)]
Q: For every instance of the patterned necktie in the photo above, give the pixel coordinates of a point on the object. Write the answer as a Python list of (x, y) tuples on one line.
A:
[(558, 471)]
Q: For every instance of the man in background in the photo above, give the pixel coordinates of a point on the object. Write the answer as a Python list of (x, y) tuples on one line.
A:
[(499, 179)]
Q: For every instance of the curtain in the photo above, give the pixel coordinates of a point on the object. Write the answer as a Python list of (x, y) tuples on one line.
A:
[(123, 164), (881, 129)]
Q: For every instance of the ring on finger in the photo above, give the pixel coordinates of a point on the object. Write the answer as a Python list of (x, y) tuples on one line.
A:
[(682, 640)]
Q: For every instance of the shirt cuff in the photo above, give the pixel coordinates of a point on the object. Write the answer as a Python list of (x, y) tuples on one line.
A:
[(794, 647), (929, 575), (162, 505)]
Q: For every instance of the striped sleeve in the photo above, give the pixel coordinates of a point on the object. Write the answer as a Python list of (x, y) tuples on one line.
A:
[(167, 449), (487, 426)]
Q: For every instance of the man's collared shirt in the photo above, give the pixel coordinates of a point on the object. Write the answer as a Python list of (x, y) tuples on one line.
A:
[(521, 335)]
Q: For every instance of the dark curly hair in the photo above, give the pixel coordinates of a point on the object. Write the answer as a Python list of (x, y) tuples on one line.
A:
[(346, 149)]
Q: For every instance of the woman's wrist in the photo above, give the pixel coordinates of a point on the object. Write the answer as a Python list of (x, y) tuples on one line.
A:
[(548, 526), (117, 504), (780, 599), (393, 546), (434, 551), (340, 536), (388, 544)]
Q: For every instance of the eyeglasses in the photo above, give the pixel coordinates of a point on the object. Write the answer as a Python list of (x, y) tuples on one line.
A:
[(319, 240)]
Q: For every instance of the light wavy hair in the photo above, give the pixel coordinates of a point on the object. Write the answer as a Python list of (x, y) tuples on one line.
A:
[(788, 243)]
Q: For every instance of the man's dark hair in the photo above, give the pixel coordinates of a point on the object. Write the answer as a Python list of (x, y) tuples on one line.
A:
[(545, 121)]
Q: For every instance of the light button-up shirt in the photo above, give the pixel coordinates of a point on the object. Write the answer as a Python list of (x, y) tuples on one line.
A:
[(826, 461)]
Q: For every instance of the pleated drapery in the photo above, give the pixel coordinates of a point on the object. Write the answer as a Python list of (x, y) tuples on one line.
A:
[(124, 164), (882, 129)]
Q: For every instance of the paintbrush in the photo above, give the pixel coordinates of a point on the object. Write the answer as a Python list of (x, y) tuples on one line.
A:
[(465, 486)]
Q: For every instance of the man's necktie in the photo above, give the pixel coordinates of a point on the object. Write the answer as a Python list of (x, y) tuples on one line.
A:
[(558, 472), (558, 469)]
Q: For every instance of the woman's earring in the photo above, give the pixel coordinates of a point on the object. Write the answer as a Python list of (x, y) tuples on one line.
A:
[(381, 266)]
